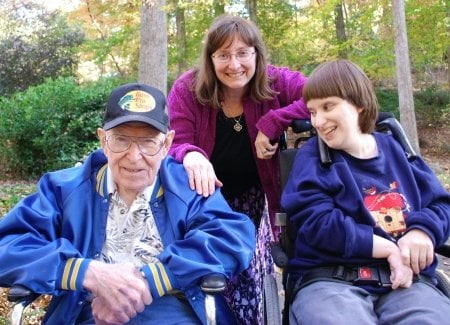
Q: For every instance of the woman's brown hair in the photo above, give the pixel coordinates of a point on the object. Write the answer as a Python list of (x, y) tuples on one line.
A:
[(225, 29), (346, 80)]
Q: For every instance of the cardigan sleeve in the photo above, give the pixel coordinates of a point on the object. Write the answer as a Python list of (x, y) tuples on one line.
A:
[(289, 85), (183, 107)]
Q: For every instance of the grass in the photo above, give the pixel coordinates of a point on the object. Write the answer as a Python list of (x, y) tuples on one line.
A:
[(13, 192)]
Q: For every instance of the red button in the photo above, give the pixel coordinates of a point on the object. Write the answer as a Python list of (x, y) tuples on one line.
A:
[(365, 273)]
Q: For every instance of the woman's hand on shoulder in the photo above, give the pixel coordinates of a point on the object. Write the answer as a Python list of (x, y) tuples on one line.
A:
[(202, 177)]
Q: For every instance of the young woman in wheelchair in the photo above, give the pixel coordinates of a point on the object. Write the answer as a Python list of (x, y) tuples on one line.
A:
[(366, 225)]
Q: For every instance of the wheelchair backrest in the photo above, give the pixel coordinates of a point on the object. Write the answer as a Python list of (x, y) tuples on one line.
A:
[(386, 122)]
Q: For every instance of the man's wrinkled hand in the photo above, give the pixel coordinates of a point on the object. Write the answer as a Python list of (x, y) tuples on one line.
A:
[(120, 292)]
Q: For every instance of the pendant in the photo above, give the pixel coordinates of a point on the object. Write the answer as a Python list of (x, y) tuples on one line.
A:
[(237, 127)]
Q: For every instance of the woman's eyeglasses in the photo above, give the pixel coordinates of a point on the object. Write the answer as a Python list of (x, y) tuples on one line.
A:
[(241, 56)]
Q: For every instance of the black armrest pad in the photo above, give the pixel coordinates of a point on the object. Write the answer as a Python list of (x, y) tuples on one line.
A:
[(280, 258), (20, 293), (443, 250), (213, 283)]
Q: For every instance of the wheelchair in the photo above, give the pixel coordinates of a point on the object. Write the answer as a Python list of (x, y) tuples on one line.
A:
[(210, 284), (284, 249)]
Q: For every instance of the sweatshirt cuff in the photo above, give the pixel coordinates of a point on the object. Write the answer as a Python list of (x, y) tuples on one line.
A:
[(159, 278), (73, 274)]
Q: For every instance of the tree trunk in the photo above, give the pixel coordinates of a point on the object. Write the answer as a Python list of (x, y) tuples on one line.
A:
[(403, 69), (340, 29), (219, 7), (251, 7), (181, 39), (448, 65), (153, 50)]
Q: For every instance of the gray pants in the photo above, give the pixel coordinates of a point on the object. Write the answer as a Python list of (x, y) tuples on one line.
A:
[(326, 302)]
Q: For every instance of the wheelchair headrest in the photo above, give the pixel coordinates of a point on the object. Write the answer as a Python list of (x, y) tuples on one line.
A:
[(299, 126), (384, 115)]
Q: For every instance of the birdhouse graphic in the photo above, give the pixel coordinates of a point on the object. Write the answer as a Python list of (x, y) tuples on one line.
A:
[(387, 208)]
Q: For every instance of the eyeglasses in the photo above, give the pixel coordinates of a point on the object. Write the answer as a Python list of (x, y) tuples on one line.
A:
[(241, 56), (148, 146)]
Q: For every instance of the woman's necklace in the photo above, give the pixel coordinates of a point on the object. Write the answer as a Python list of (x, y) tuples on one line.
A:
[(237, 120), (237, 126)]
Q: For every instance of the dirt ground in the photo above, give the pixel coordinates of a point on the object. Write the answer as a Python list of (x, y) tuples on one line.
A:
[(435, 144)]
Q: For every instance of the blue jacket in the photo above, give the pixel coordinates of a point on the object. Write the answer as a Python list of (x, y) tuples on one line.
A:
[(48, 239), (332, 208)]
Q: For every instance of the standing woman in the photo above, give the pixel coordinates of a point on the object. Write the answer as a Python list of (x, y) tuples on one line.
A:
[(228, 115)]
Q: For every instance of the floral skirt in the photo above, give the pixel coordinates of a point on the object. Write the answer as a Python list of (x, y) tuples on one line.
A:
[(245, 293)]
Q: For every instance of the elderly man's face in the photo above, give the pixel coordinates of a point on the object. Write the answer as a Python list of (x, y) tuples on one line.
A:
[(132, 169)]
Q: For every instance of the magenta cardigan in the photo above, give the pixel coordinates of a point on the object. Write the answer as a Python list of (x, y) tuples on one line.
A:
[(195, 124)]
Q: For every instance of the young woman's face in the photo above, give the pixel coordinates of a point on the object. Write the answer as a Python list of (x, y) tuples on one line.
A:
[(336, 121), (235, 64)]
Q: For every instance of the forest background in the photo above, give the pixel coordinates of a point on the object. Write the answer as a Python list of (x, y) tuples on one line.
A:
[(58, 65), (60, 59)]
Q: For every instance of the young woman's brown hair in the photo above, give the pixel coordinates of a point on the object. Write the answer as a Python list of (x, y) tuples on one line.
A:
[(344, 79)]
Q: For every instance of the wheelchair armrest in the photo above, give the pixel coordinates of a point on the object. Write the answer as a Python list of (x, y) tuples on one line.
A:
[(213, 283), (22, 297), (444, 250), (279, 256), (18, 293)]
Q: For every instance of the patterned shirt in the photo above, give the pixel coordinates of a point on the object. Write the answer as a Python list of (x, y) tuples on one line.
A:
[(131, 232)]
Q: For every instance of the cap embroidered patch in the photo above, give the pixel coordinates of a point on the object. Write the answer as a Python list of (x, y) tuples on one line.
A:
[(137, 101)]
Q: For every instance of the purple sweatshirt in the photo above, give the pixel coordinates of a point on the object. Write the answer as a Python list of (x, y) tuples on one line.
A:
[(195, 124)]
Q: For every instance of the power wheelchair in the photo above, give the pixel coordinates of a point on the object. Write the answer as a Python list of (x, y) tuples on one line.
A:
[(210, 284), (284, 249)]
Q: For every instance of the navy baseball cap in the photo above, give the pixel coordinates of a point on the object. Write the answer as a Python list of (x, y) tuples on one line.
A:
[(136, 102)]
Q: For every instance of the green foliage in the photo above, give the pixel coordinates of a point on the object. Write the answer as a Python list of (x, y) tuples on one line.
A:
[(275, 22), (428, 35), (298, 34), (30, 54), (388, 100), (198, 16), (40, 131), (11, 193), (50, 126), (432, 105), (112, 35)]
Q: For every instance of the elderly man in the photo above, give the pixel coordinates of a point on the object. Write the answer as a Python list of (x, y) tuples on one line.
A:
[(122, 238)]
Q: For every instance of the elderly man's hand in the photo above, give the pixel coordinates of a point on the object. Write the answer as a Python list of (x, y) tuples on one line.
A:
[(120, 292)]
